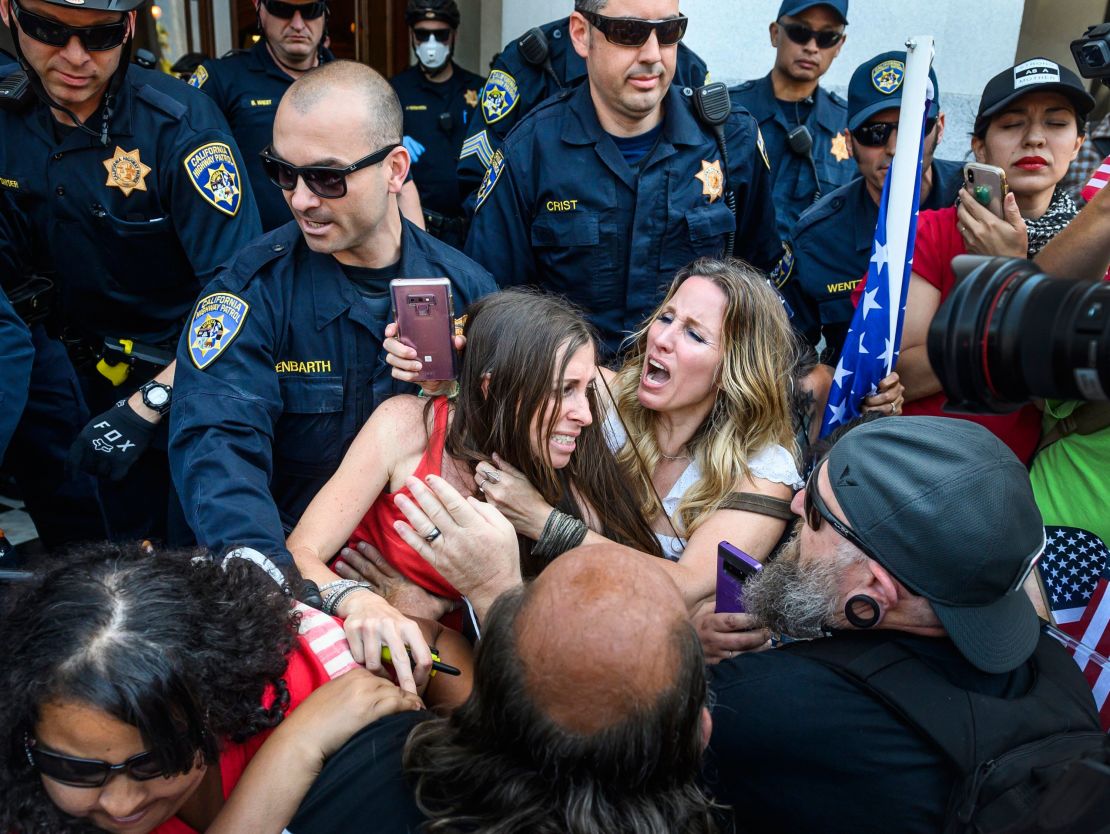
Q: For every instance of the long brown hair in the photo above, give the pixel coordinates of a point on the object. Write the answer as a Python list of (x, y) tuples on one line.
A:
[(512, 341), (752, 406)]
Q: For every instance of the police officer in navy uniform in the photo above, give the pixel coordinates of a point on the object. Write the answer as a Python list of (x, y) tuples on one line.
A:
[(126, 185), (604, 203), (282, 361), (439, 99), (516, 85), (248, 85), (830, 247), (802, 123), (17, 354)]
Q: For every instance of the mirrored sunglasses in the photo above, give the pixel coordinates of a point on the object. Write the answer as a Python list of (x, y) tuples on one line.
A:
[(634, 31), (89, 773), (802, 34), (309, 11), (54, 33), (329, 183), (877, 134)]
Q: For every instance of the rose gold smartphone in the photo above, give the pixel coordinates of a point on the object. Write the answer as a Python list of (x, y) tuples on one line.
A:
[(424, 310), (987, 184)]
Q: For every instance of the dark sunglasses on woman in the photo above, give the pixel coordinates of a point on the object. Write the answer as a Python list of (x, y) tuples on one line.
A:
[(802, 34), (88, 773), (634, 31), (329, 183), (877, 134), (55, 33), (309, 11)]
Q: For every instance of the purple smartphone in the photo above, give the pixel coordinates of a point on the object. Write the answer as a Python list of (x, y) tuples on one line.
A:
[(734, 566), (425, 314)]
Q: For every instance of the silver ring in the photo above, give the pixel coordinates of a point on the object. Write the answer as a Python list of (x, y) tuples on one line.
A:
[(892, 408), (481, 489), (491, 476), (432, 536)]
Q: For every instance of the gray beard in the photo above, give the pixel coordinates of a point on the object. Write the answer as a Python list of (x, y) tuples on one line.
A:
[(794, 599)]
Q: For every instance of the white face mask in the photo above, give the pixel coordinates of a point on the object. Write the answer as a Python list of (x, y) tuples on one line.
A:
[(432, 54)]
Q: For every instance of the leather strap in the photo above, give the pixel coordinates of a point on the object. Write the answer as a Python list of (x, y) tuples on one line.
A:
[(1086, 419), (754, 503)]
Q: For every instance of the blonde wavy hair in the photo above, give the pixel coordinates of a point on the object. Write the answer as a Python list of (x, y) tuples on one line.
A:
[(752, 407)]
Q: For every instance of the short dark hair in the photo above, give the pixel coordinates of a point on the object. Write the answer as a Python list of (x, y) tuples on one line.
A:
[(499, 765), (170, 643), (590, 6)]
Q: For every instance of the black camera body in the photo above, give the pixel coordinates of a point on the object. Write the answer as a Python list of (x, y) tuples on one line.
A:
[(1092, 52), (1008, 332)]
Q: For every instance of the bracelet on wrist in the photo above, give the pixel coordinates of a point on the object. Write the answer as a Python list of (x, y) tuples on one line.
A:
[(331, 605)]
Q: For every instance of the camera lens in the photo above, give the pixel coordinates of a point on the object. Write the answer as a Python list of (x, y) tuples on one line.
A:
[(971, 175), (1008, 332)]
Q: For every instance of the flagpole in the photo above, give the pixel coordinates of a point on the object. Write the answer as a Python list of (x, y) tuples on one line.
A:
[(904, 171)]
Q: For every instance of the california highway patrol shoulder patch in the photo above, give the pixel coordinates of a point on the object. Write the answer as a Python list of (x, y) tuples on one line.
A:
[(215, 175), (199, 76), (499, 96), (216, 322), (493, 173), (784, 268)]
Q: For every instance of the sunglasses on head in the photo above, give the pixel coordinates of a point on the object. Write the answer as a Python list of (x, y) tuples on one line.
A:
[(877, 134), (816, 510), (55, 33), (89, 773), (422, 35), (329, 183), (309, 11), (802, 34), (634, 31)]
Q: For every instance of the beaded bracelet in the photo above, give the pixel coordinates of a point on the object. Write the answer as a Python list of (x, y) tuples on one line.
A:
[(331, 605)]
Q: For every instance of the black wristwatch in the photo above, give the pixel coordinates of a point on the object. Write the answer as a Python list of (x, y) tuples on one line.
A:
[(157, 396)]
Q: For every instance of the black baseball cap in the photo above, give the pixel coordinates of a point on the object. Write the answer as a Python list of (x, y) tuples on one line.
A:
[(876, 85), (1032, 76), (948, 509), (793, 7)]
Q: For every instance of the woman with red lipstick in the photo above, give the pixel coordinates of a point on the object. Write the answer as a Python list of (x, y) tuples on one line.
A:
[(1030, 124), (526, 400)]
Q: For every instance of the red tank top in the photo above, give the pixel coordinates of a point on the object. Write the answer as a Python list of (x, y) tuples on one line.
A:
[(376, 526)]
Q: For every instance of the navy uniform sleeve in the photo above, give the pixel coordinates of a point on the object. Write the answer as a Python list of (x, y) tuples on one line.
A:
[(805, 317), (500, 234), (16, 356), (757, 240), (211, 202), (226, 404), (209, 78)]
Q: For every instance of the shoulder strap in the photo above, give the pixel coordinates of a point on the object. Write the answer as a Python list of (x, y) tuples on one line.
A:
[(1086, 419), (755, 503)]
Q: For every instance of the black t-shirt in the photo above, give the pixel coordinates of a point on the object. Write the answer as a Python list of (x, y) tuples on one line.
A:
[(362, 787), (635, 148), (373, 285), (796, 747), (796, 112)]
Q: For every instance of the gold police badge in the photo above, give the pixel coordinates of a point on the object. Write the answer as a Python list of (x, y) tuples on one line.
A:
[(839, 148), (712, 180), (471, 98), (126, 171)]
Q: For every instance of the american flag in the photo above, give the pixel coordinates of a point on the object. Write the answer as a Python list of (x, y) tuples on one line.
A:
[(871, 348), (1097, 181), (1075, 569)]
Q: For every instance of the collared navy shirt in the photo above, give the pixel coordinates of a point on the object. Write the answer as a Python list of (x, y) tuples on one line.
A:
[(18, 355), (437, 117), (567, 213), (247, 87), (792, 175), (830, 249), (533, 84), (129, 233), (255, 434)]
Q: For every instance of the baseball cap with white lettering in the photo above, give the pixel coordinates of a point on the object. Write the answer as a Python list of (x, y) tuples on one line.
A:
[(1032, 76)]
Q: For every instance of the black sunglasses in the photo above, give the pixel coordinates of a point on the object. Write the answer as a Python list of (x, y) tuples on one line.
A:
[(329, 183), (422, 35), (89, 773), (802, 34), (877, 134), (816, 509), (309, 11), (54, 33), (634, 31)]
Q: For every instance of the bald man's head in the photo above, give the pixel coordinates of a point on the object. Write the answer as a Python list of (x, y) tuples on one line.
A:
[(339, 90), (600, 637)]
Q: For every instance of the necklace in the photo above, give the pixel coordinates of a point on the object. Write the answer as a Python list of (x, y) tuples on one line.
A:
[(665, 456)]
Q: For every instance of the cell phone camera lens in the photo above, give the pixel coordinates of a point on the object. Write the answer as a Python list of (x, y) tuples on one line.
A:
[(971, 176)]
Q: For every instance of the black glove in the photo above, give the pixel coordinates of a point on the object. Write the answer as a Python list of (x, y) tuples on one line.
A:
[(111, 443)]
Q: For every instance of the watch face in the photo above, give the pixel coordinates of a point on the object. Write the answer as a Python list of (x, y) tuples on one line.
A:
[(157, 396)]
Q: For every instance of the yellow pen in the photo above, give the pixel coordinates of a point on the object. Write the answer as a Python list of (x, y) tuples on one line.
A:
[(437, 664)]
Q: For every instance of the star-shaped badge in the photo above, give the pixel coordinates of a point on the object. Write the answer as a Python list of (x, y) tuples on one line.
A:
[(126, 171), (839, 148), (471, 98), (712, 180)]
